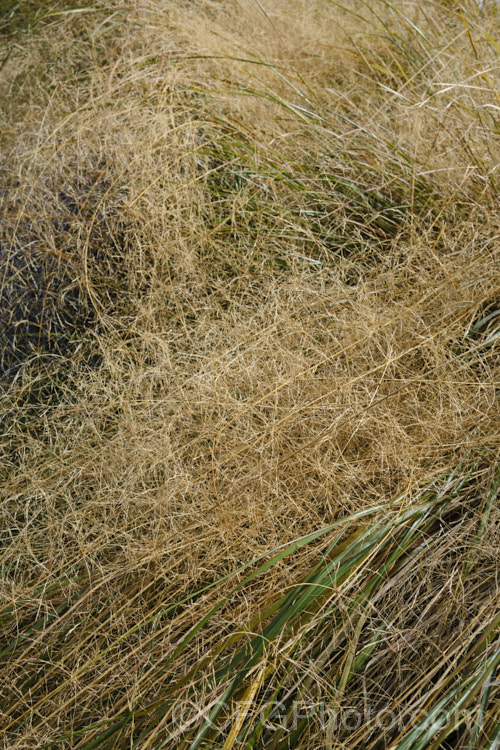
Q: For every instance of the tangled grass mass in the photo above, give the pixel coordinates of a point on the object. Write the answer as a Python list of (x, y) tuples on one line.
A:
[(249, 350)]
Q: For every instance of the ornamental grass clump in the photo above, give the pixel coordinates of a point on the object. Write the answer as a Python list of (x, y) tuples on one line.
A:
[(249, 375)]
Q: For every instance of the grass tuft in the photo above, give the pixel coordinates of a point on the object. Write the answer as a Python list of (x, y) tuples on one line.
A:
[(249, 330)]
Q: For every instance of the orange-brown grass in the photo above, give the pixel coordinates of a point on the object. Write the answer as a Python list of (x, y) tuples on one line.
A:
[(250, 302)]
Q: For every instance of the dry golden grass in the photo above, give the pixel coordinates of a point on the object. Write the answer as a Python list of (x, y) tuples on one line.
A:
[(250, 293)]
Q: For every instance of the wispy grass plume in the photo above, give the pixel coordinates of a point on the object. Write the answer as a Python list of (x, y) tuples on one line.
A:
[(250, 305)]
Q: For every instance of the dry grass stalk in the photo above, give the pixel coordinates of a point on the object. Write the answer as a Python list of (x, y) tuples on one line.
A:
[(250, 309)]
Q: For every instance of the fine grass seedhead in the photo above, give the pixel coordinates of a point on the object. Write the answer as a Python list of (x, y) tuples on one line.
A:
[(249, 347)]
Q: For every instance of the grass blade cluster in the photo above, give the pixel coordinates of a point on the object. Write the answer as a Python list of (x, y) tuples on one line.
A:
[(249, 331)]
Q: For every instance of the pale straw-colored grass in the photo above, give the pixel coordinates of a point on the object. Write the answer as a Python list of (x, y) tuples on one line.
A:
[(250, 308)]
